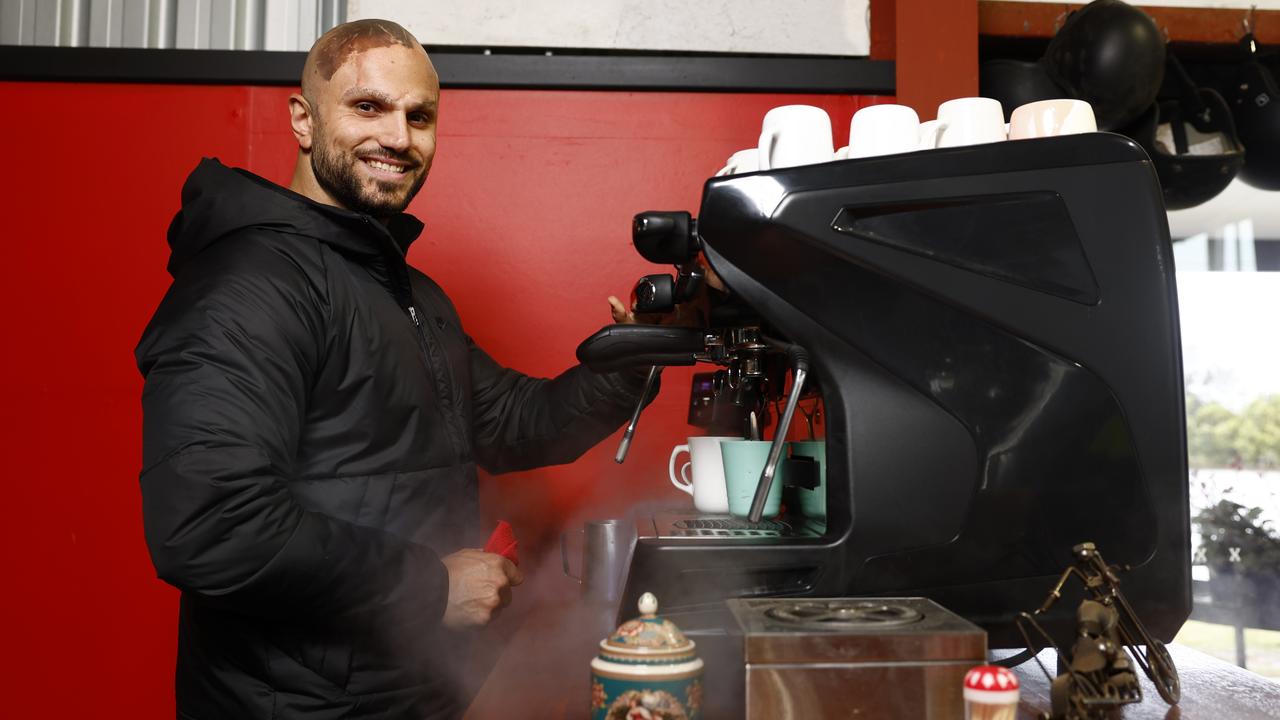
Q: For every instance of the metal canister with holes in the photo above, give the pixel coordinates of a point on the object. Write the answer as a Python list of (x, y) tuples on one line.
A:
[(901, 658)]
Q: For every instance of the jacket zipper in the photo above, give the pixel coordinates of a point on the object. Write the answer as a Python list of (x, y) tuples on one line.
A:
[(442, 376), (443, 394)]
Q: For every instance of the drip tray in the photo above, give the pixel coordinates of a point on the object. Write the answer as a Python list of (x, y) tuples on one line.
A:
[(724, 526), (729, 527)]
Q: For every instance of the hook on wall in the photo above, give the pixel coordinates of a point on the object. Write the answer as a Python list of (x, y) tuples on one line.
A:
[(1061, 20), (1249, 20)]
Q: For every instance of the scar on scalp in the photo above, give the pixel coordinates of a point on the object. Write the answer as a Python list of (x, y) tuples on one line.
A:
[(334, 47)]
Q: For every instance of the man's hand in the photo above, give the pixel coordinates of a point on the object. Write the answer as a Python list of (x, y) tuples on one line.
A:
[(479, 584), (693, 313), (620, 313), (689, 314)]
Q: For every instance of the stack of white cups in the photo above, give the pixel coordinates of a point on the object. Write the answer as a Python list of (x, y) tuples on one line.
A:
[(794, 135), (1050, 118), (790, 135), (976, 120), (964, 121), (881, 130)]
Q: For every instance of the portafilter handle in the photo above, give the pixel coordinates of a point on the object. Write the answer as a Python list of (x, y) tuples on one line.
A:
[(618, 347), (800, 369)]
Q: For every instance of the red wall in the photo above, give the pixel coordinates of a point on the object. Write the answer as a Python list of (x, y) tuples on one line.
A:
[(528, 214)]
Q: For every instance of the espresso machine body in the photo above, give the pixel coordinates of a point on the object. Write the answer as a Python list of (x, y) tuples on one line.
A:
[(994, 330)]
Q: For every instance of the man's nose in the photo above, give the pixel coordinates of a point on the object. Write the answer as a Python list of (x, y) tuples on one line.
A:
[(394, 133)]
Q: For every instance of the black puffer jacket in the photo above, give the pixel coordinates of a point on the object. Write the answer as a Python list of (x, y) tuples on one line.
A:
[(313, 419)]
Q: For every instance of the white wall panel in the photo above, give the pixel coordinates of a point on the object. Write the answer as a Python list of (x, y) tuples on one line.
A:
[(305, 29), (105, 19), (332, 12), (48, 18), (11, 22), (188, 24), (275, 27), (222, 24), (161, 15), (192, 18), (295, 24), (249, 26), (819, 27), (135, 23), (74, 27), (17, 22)]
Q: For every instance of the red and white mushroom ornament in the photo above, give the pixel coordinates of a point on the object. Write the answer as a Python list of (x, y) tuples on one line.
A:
[(990, 693)]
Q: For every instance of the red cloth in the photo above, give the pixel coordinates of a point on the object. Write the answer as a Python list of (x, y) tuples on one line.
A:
[(503, 542)]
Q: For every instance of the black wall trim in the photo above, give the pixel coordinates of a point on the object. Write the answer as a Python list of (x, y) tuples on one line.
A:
[(467, 68)]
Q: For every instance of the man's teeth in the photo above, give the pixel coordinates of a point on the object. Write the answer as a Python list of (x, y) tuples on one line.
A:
[(386, 166)]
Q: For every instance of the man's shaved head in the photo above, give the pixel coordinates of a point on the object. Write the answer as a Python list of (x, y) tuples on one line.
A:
[(334, 47), (365, 119)]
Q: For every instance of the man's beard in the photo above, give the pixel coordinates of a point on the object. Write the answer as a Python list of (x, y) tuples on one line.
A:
[(337, 174)]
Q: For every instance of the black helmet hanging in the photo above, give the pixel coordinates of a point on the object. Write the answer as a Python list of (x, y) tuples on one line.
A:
[(1015, 83), (1111, 55), (1255, 102), (1191, 140)]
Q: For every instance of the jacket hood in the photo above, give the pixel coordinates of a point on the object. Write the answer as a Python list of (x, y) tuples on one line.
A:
[(218, 200)]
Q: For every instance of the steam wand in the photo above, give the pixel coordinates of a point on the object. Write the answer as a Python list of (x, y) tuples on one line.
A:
[(800, 368), (625, 445)]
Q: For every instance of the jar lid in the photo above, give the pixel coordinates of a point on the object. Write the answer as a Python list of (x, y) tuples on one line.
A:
[(648, 637), (992, 685)]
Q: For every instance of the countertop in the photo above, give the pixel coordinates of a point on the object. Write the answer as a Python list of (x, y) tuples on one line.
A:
[(544, 671)]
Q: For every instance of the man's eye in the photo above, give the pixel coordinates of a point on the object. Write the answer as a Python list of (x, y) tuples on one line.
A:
[(419, 118), (366, 107)]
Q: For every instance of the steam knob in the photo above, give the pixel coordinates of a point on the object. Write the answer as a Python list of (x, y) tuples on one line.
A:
[(654, 294), (667, 238)]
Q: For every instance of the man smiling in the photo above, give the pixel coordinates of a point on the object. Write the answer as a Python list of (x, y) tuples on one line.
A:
[(314, 415), (366, 119)]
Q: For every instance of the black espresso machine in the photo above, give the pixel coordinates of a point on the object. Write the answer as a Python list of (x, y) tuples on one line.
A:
[(993, 332)]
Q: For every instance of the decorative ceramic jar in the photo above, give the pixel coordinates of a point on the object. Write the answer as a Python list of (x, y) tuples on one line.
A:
[(646, 670)]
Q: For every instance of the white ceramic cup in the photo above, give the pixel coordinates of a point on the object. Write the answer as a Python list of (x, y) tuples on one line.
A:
[(743, 161), (795, 135), (1048, 118), (883, 130), (967, 121), (707, 465)]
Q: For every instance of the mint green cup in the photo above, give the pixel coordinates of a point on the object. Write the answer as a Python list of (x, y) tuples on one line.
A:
[(813, 503), (743, 462)]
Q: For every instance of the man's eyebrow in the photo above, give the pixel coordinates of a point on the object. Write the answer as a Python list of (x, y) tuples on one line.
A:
[(385, 99), (368, 93)]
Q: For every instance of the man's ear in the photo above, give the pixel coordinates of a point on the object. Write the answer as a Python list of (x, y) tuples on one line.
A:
[(301, 119)]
